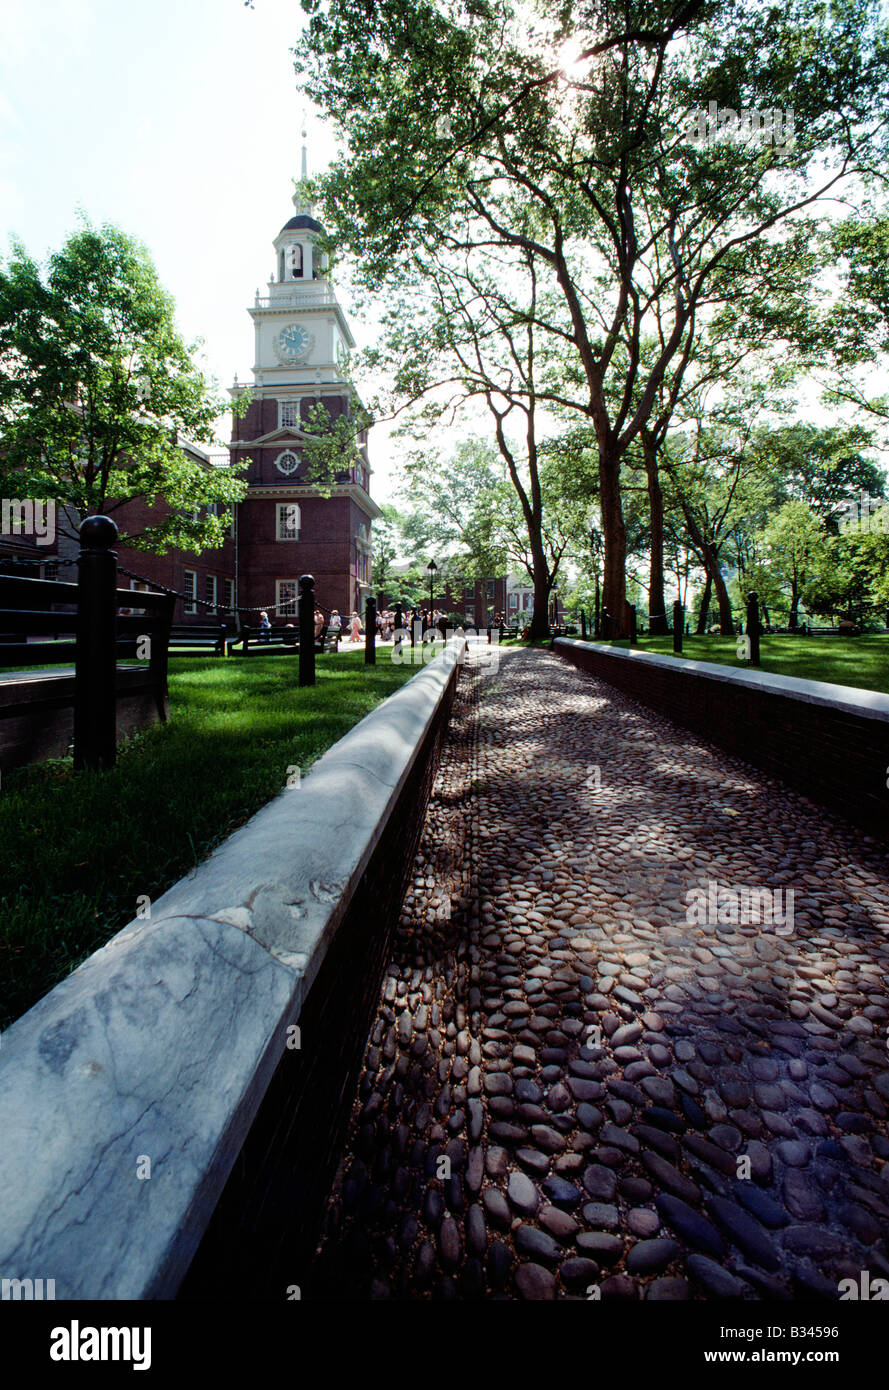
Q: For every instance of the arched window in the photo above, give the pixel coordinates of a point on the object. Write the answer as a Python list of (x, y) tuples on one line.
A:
[(296, 262)]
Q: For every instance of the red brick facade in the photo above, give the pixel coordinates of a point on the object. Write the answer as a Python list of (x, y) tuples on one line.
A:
[(248, 571)]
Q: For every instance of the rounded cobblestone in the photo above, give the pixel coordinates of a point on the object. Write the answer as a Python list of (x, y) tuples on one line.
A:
[(572, 1081)]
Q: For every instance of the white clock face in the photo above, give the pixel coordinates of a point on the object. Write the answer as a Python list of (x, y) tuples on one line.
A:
[(293, 343)]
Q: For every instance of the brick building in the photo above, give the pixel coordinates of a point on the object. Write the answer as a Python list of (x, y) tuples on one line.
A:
[(285, 526)]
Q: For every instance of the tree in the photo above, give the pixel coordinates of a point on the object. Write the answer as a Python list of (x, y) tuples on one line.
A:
[(795, 540), (468, 128), (97, 388), (469, 507), (387, 532), (454, 336), (852, 332), (331, 446)]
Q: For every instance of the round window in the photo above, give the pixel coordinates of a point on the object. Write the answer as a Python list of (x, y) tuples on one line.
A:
[(287, 462)]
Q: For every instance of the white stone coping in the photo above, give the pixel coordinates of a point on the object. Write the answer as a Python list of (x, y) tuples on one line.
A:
[(871, 704), (163, 1043)]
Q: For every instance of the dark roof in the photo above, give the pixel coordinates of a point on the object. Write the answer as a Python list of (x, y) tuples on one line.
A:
[(303, 221)]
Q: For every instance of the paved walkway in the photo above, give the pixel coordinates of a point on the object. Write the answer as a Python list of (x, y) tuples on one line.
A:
[(570, 1089)]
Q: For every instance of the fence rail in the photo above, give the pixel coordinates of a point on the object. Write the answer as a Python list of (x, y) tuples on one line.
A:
[(40, 714)]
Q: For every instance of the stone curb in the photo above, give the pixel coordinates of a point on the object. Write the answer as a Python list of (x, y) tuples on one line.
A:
[(160, 1047), (874, 704)]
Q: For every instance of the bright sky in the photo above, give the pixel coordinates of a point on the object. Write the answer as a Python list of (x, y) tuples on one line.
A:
[(180, 122)]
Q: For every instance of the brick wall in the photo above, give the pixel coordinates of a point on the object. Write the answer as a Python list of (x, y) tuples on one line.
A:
[(169, 569), (833, 753)]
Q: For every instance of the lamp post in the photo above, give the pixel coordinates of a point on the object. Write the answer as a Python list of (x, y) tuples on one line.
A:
[(430, 569)]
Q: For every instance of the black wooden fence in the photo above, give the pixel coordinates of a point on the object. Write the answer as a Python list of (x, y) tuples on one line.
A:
[(39, 710)]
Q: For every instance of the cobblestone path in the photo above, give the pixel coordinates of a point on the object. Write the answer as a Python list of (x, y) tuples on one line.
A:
[(570, 1089)]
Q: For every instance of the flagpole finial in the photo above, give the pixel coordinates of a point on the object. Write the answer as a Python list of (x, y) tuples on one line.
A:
[(304, 167)]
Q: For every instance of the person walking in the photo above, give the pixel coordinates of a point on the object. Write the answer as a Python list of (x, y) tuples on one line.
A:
[(265, 627)]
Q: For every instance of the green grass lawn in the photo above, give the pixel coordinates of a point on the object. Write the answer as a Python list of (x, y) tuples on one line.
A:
[(856, 661), (77, 852)]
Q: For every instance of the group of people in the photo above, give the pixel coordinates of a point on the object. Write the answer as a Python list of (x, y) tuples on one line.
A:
[(349, 627), (336, 627)]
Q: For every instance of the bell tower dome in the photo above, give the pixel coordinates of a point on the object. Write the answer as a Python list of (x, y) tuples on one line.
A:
[(299, 256)]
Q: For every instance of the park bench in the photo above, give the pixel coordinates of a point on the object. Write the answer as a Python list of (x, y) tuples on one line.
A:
[(211, 636), (279, 640)]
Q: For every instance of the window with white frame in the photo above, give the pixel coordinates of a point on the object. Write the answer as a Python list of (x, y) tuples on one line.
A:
[(287, 594), (133, 612), (210, 588), (288, 521), (190, 587), (228, 595), (288, 413)]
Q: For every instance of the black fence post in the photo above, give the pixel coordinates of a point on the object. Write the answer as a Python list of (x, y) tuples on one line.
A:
[(306, 629), (753, 628), (95, 660), (678, 625), (370, 632), (583, 624), (160, 654)]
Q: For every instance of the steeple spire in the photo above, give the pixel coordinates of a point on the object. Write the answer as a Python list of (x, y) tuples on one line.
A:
[(302, 204)]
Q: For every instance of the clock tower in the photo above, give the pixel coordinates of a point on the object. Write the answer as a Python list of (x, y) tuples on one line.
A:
[(285, 526)]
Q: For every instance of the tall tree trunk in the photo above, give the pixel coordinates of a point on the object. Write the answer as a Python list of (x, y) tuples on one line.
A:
[(726, 621), (794, 605), (704, 611), (542, 586), (614, 533), (657, 603)]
